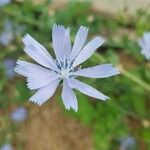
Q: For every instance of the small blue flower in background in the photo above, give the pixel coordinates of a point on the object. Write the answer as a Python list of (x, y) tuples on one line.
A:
[(128, 143), (7, 35), (9, 64), (46, 77), (144, 43), (19, 115), (4, 2), (6, 147)]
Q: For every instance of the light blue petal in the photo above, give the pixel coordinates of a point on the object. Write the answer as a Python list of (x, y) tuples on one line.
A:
[(61, 41), (146, 37), (146, 52), (100, 71), (67, 43), (144, 44), (68, 97), (38, 82), (44, 93), (86, 89), (37, 52), (32, 70), (37, 76), (79, 41), (88, 50)]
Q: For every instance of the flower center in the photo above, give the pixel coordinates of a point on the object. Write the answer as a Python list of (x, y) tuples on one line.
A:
[(64, 73)]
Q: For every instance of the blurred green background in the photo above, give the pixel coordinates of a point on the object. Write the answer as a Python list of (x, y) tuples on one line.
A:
[(121, 123)]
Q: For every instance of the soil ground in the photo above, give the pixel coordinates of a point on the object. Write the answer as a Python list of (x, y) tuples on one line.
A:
[(47, 128)]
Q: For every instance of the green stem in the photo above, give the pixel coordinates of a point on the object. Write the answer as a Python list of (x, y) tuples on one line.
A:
[(136, 79)]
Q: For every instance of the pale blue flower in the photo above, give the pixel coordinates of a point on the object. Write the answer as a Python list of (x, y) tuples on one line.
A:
[(5, 38), (144, 43), (9, 64), (4, 2), (128, 143), (46, 76), (6, 147), (7, 35), (19, 115)]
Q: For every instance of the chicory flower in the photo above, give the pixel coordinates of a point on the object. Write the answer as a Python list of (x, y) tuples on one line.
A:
[(144, 43), (4, 2), (6, 36), (46, 76), (9, 64), (6, 147), (19, 115), (128, 143)]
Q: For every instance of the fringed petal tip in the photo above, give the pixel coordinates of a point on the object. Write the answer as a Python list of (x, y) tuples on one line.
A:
[(58, 26), (117, 70), (101, 39), (35, 102), (68, 108), (105, 98), (84, 27), (18, 70), (29, 86), (26, 37)]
